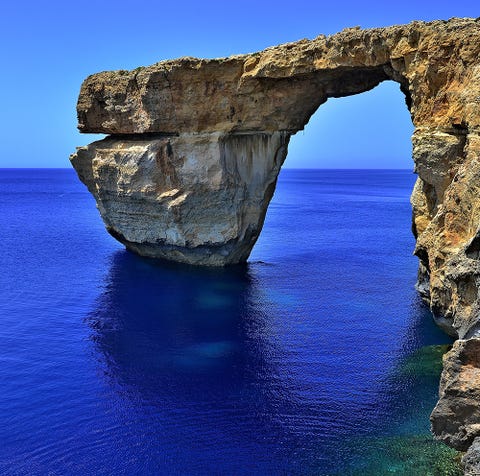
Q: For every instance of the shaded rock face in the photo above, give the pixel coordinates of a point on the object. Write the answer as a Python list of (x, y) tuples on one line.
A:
[(456, 417), (471, 460), (196, 145)]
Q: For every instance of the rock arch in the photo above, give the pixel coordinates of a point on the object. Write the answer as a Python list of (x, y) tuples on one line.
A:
[(195, 147)]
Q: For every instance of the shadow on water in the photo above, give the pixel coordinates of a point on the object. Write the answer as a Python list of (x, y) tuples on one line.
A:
[(176, 322), (192, 344), (221, 357)]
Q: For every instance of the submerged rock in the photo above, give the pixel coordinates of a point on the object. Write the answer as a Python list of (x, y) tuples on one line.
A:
[(196, 147), (426, 361), (405, 456)]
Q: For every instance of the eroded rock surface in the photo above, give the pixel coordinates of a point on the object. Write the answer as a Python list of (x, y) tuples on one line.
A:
[(456, 417), (196, 145), (194, 198), (471, 460)]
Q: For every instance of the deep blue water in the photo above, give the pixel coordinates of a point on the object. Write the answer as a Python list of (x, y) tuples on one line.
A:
[(305, 361)]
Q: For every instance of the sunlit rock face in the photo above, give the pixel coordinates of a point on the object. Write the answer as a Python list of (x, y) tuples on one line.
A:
[(195, 198), (196, 146)]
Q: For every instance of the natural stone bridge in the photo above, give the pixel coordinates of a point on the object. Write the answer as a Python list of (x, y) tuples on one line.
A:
[(195, 148)]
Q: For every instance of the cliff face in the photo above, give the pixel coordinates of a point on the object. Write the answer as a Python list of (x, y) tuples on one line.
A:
[(194, 198), (196, 146)]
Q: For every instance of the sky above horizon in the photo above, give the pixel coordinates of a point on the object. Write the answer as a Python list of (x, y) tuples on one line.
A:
[(48, 48)]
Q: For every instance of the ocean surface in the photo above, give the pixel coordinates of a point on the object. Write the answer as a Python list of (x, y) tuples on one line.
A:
[(316, 358)]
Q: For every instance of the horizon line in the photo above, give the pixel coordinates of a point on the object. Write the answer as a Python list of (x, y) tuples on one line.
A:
[(283, 168)]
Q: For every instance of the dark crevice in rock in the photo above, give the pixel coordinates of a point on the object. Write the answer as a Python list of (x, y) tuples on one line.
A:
[(414, 226), (422, 254), (460, 128), (351, 81), (473, 249), (408, 96), (423, 283)]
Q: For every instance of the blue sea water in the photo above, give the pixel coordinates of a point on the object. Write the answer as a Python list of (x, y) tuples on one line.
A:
[(311, 359)]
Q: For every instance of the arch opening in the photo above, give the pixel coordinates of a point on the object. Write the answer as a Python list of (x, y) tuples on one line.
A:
[(367, 130)]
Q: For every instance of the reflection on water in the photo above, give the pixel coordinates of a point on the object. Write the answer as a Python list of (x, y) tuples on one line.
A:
[(219, 366), (167, 325)]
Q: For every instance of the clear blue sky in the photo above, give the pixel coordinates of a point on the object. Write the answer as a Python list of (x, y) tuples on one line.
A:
[(48, 48)]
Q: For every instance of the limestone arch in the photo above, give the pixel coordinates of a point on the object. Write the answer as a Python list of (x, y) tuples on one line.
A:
[(195, 146)]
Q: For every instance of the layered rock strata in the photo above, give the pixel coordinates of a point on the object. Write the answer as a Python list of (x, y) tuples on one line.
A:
[(195, 198), (195, 147)]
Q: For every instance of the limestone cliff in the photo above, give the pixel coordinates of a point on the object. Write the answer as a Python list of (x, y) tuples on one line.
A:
[(194, 198), (196, 146)]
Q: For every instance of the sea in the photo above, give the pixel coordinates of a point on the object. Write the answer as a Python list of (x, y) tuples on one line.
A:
[(317, 357)]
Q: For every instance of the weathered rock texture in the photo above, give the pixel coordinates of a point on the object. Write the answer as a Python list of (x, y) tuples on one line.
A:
[(471, 460), (196, 145), (456, 418), (195, 198)]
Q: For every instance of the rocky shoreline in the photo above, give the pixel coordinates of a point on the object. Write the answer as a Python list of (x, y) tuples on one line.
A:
[(195, 147)]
